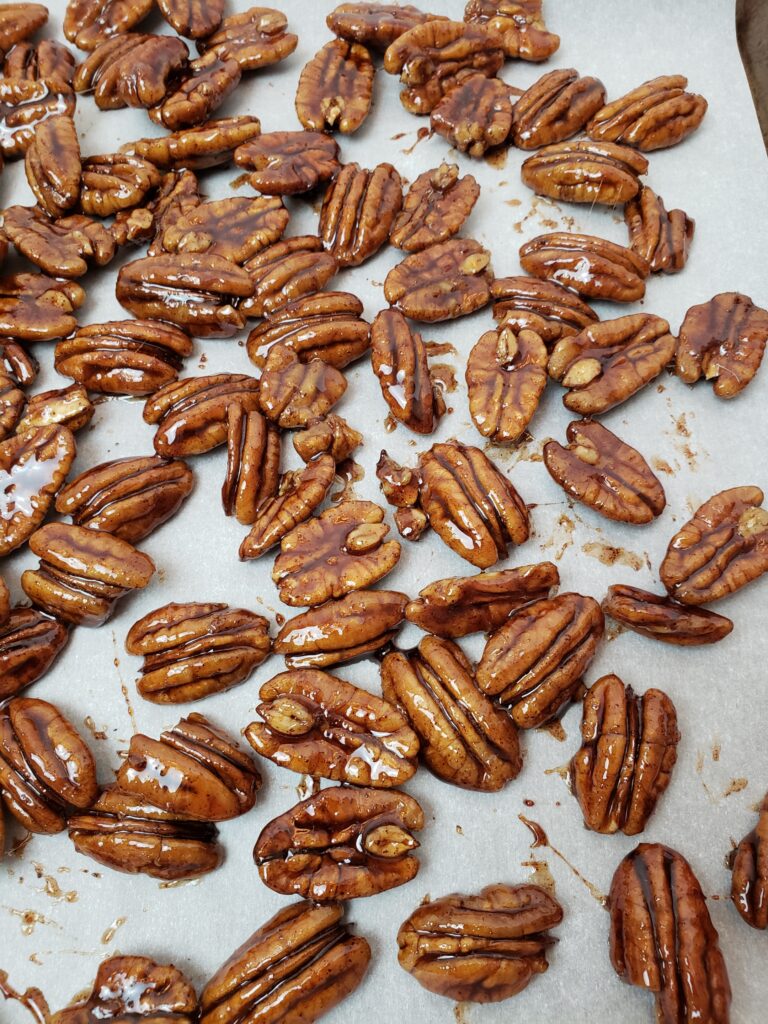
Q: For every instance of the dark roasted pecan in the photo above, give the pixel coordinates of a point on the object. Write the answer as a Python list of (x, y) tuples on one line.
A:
[(206, 84), (52, 165), (341, 844), (628, 751), (89, 22), (193, 650), (662, 937), (17, 363), (520, 25), (506, 376), (749, 882), (661, 238), (434, 209), (236, 228), (115, 182), (286, 271), (293, 393), (604, 472), (19, 22), (660, 618), (331, 434), (441, 283), (465, 740), (24, 104), (301, 963), (286, 163), (720, 550), (314, 723), (399, 360), (476, 115), (194, 19), (586, 172), (324, 325), (48, 59), (358, 212), (335, 88), (30, 643), (68, 407), (12, 402), (205, 145), (253, 463), (61, 248), (255, 38), (34, 307), (131, 70), (177, 192), (534, 663), (556, 107), (657, 114), (46, 768), (541, 306), (192, 414), (590, 266), (376, 25)]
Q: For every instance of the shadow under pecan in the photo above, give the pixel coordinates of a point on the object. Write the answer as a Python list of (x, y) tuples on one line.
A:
[(660, 618), (286, 272), (442, 282), (399, 360), (131, 70), (720, 550), (19, 22), (47, 59), (62, 248), (662, 937), (317, 724), (556, 107), (534, 663), (659, 113), (519, 23), (661, 238), (288, 163), (30, 642), (553, 312), (255, 38), (331, 434), (292, 393), (335, 88), (749, 881), (506, 375), (590, 266), (194, 19), (483, 948), (87, 23), (192, 414), (586, 172), (253, 463), (34, 307), (115, 181), (359, 209), (25, 104), (236, 228), (476, 115), (434, 209), (52, 165), (374, 24), (206, 84), (341, 844), (66, 407)]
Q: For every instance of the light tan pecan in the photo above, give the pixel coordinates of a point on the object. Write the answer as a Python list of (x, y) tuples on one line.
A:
[(441, 283), (253, 463), (586, 172), (602, 471), (325, 325), (236, 228), (434, 209), (48, 59), (534, 663), (476, 115), (399, 484), (331, 434), (465, 740), (662, 938), (720, 550), (556, 107), (315, 723), (329, 556), (293, 393), (662, 238), (19, 22), (660, 618), (255, 38), (210, 144), (287, 163), (506, 376), (207, 83), (399, 360), (608, 362), (52, 165), (89, 22), (376, 25), (34, 307), (17, 363), (335, 88), (131, 70), (358, 212), (67, 407), (30, 642), (657, 114), (287, 271), (433, 57), (341, 844), (24, 104), (590, 266), (548, 309), (177, 192), (192, 414), (749, 881), (115, 181), (520, 25), (194, 19), (12, 402), (62, 248)]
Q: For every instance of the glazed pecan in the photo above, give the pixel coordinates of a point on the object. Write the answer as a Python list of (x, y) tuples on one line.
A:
[(399, 484), (52, 165), (483, 948), (335, 88), (30, 643), (34, 307), (720, 550), (608, 362), (89, 22), (657, 114), (341, 550), (441, 283), (331, 434), (19, 22), (661, 238), (506, 376), (62, 248), (253, 463), (287, 271), (12, 402), (325, 325), (128, 498), (722, 340), (48, 59), (660, 618), (604, 472), (411, 523), (83, 573), (555, 107), (16, 363), (662, 937), (541, 306), (206, 84), (46, 768), (293, 393), (520, 25), (24, 104), (434, 209), (476, 115), (236, 228), (255, 38), (590, 266), (534, 663), (286, 163), (358, 212), (194, 19), (399, 360), (586, 172), (465, 740), (192, 414), (177, 193), (338, 631), (210, 144), (5, 603), (131, 70), (341, 844), (115, 182), (749, 864), (301, 963), (300, 493), (312, 722), (66, 407), (193, 650), (376, 25)]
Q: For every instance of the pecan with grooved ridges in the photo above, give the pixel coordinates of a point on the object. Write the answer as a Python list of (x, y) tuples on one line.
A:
[(441, 283), (662, 238), (335, 88), (288, 163), (749, 881), (52, 165), (24, 105), (12, 402), (520, 25), (434, 209), (35, 307), (210, 144), (236, 228), (475, 116), (255, 38), (541, 306), (661, 618), (253, 463), (192, 414), (131, 70), (358, 212), (68, 407), (555, 107), (590, 266), (17, 363), (30, 642), (292, 393), (195, 19), (177, 192), (48, 59), (20, 21), (87, 23), (657, 114), (115, 182), (585, 172), (61, 248), (207, 83), (331, 434), (506, 376), (287, 271), (376, 25), (324, 325), (399, 360)]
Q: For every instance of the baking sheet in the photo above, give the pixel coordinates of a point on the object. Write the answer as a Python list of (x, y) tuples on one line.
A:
[(60, 913)]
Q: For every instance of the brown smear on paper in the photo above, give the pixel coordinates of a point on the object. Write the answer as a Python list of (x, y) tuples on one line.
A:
[(736, 786), (541, 839), (460, 1011), (540, 875), (30, 919), (123, 687), (52, 888), (112, 930), (562, 536), (610, 555), (421, 134), (555, 730), (98, 734), (563, 770)]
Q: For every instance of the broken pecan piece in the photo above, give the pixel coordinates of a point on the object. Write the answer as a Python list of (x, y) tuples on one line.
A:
[(376, 25), (555, 107), (660, 618), (287, 163), (358, 212), (255, 38), (52, 165), (324, 325), (48, 59), (411, 523), (19, 22), (441, 283), (67, 407), (206, 84), (506, 376), (89, 22), (177, 192), (30, 642), (476, 115), (253, 463), (749, 881), (657, 114), (586, 172), (590, 266), (287, 271), (399, 360), (12, 402), (210, 144), (520, 25), (61, 248), (131, 70), (293, 393), (331, 434), (25, 104), (434, 209), (34, 307), (661, 238), (525, 303), (115, 181), (399, 485), (236, 228), (16, 363), (194, 19), (335, 88)]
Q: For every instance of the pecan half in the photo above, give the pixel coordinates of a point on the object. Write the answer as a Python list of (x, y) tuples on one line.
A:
[(30, 642), (131, 70), (293, 393), (52, 165), (287, 163), (34, 307), (520, 25), (12, 402), (115, 182), (335, 88), (236, 228), (476, 115), (534, 663), (441, 283), (17, 363), (720, 550), (586, 172), (24, 104), (341, 844), (524, 303), (662, 937), (194, 19), (287, 271), (89, 22), (661, 238), (434, 209), (657, 114), (19, 22), (48, 59), (207, 83), (358, 212), (506, 376), (325, 325), (660, 618), (67, 407), (590, 266), (255, 38), (61, 248), (331, 434), (556, 107), (315, 723), (483, 948), (749, 881), (399, 360), (376, 25), (253, 463), (211, 144)]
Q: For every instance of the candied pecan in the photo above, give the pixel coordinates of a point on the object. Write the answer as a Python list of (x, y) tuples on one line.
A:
[(287, 271), (68, 407), (61, 248), (30, 642), (52, 165), (194, 19), (114, 181), (127, 497), (520, 25), (556, 107), (657, 114), (312, 722), (358, 212), (236, 228), (541, 306), (24, 104), (331, 434), (586, 172), (83, 573), (300, 963), (399, 360), (590, 266), (341, 844), (602, 471), (411, 523), (608, 362), (720, 550), (534, 663), (660, 618), (335, 88), (662, 937), (89, 22), (749, 881), (12, 402), (435, 56), (338, 631), (19, 22), (210, 144), (177, 192), (255, 38), (506, 376), (661, 238), (46, 768), (483, 948), (326, 325), (434, 209), (192, 414), (131, 70), (5, 602), (441, 283), (476, 115), (341, 550), (17, 363), (399, 485), (286, 163), (253, 463), (293, 393), (196, 292), (465, 740), (376, 25), (206, 84), (34, 307), (48, 59)]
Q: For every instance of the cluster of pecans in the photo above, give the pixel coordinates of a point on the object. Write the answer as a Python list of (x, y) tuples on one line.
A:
[(213, 265)]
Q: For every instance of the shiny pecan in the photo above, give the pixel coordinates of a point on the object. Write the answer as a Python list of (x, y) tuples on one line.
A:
[(236, 228), (52, 165), (628, 751), (62, 248), (255, 38), (253, 463), (206, 84), (83, 573), (411, 523), (127, 497), (24, 104), (520, 25), (399, 485), (315, 723), (131, 70), (34, 307), (586, 172), (292, 393), (662, 238), (657, 114), (194, 19), (67, 407), (434, 209), (325, 325), (341, 844), (287, 271), (17, 363), (358, 212), (662, 938), (556, 107), (476, 115), (376, 25), (30, 642), (115, 181), (590, 266), (287, 163), (720, 550), (192, 414), (210, 144), (534, 663), (399, 360), (506, 376), (660, 618), (19, 22), (602, 471), (749, 881), (335, 88), (331, 434), (465, 740), (48, 59), (177, 192), (541, 306), (89, 22), (12, 402), (441, 283), (5, 603)]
